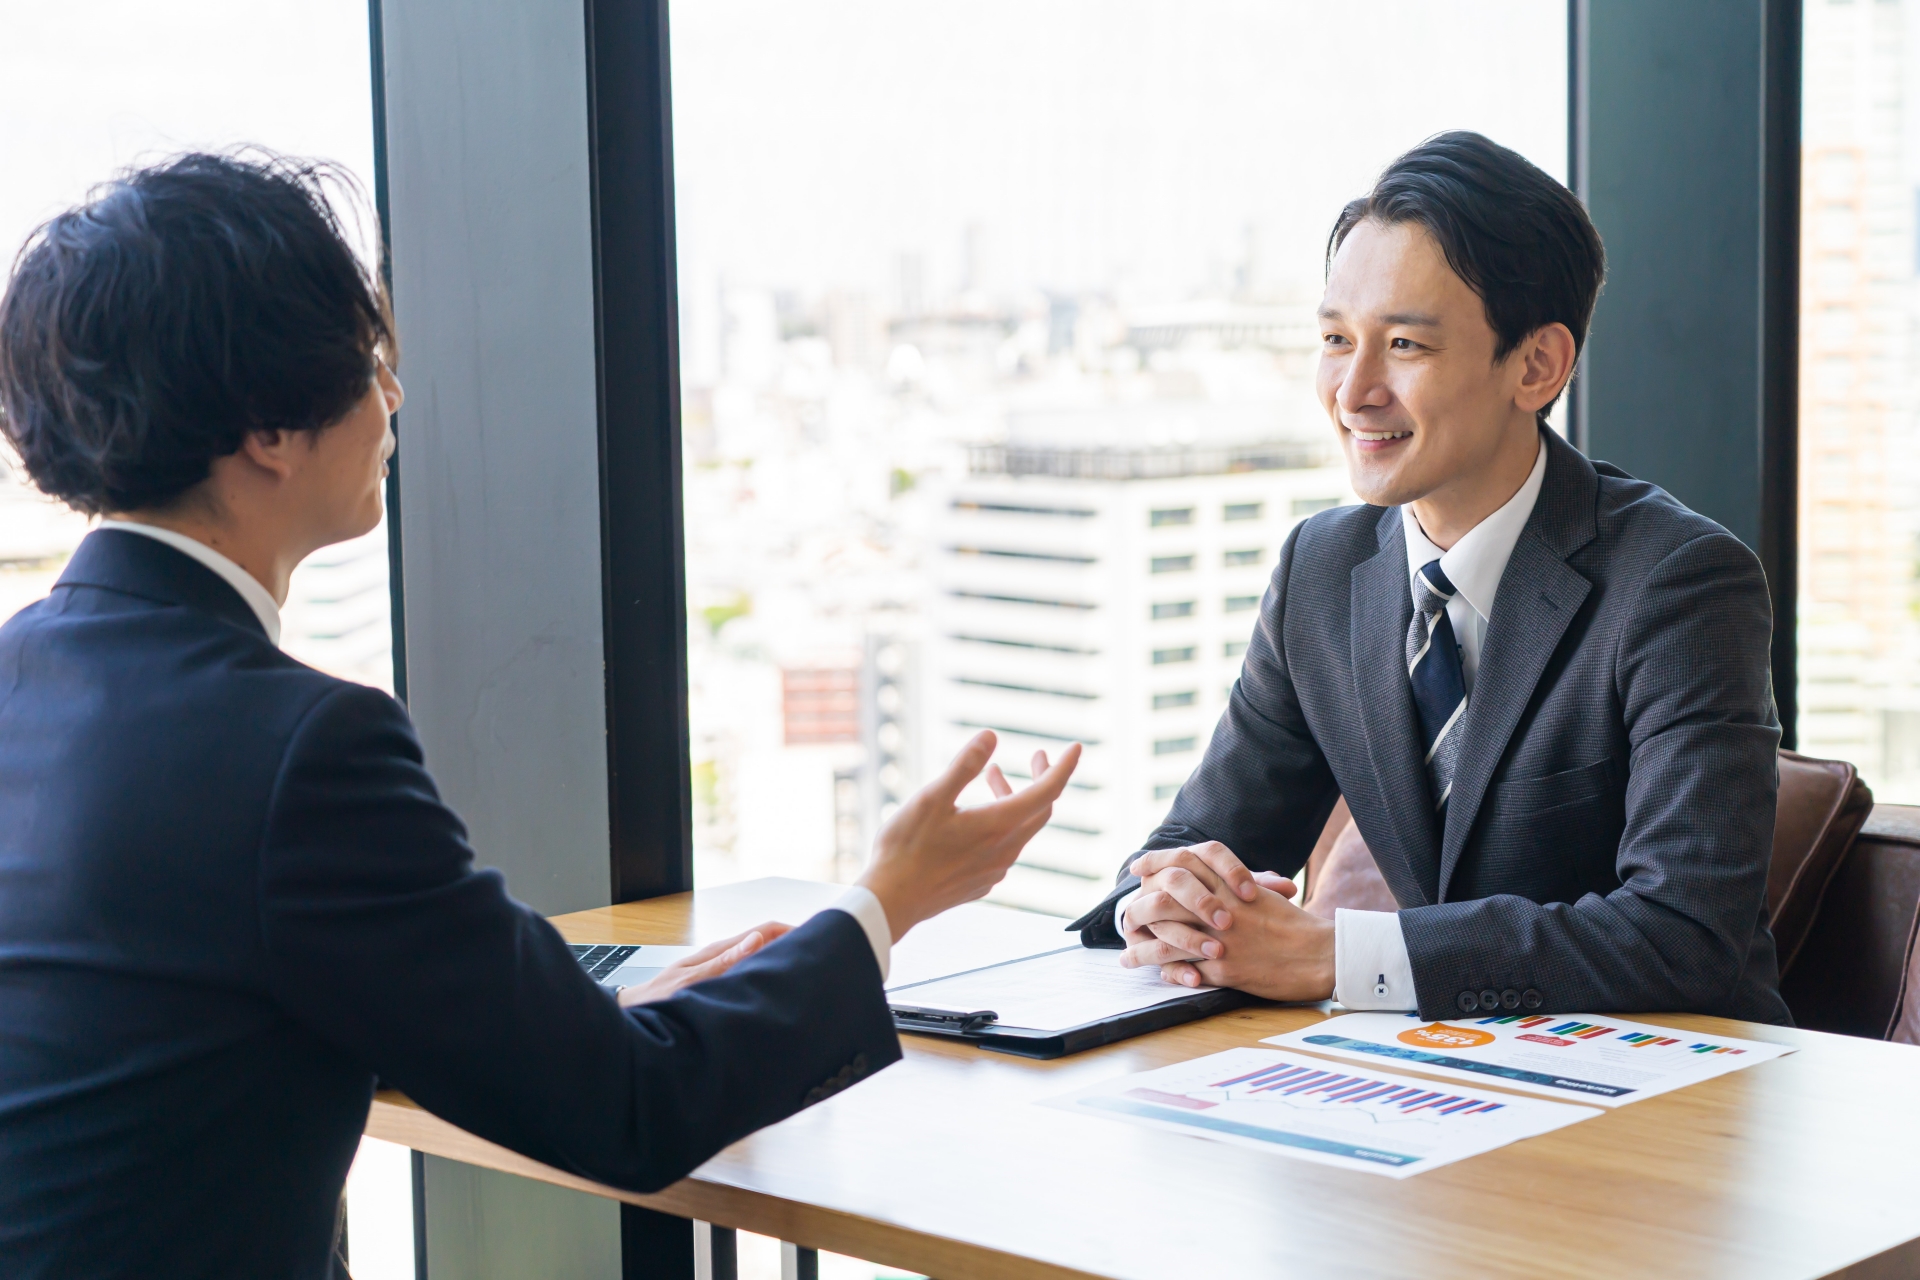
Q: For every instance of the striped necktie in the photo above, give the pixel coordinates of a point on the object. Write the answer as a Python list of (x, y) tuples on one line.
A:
[(1433, 667)]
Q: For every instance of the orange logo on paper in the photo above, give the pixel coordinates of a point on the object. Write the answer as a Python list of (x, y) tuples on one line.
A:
[(1438, 1035)]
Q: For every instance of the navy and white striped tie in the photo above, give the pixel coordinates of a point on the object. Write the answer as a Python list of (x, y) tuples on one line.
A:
[(1433, 667)]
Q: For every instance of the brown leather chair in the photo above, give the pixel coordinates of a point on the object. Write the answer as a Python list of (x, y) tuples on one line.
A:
[(1856, 972), (1821, 808)]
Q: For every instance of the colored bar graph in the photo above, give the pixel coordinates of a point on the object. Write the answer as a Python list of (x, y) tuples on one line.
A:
[(1641, 1039), (1294, 1080), (1582, 1030), (1713, 1048), (1522, 1019)]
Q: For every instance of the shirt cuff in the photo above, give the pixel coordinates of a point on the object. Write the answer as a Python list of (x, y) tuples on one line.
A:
[(858, 901), (1370, 965), (1120, 913)]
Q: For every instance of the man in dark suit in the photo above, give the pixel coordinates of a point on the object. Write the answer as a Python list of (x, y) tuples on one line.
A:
[(229, 894), (1541, 685)]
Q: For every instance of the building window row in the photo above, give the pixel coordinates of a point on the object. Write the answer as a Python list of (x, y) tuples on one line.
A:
[(1001, 599), (1163, 657), (1053, 557), (1158, 564), (1164, 609), (1174, 746), (1012, 509), (1166, 790), (1026, 688), (1234, 649), (1161, 516), (1167, 701), (1253, 555), (1172, 564), (1024, 644)]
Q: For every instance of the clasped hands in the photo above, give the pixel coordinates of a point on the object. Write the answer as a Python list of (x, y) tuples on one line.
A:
[(1208, 921)]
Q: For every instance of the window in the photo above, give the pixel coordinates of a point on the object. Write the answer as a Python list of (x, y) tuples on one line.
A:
[(1166, 790), (1859, 595), (944, 365), (1240, 604), (1234, 649), (1253, 556), (1303, 507), (165, 79), (1167, 701), (1173, 746)]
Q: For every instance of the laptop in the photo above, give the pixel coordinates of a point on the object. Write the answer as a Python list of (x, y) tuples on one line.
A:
[(626, 966)]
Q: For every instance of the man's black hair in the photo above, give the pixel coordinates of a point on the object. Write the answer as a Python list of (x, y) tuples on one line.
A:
[(185, 304), (1520, 240)]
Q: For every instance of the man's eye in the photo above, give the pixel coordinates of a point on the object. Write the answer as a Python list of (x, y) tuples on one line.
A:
[(1332, 339), (1402, 344)]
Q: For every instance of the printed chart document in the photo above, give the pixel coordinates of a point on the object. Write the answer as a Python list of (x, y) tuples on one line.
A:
[(1593, 1057), (1301, 1106), (1066, 988)]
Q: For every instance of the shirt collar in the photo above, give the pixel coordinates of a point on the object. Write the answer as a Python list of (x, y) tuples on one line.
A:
[(233, 575), (1475, 564)]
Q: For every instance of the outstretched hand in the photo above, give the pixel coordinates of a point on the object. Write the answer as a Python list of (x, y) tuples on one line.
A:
[(709, 961), (933, 854)]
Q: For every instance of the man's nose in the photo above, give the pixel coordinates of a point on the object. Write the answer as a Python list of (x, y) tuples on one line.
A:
[(1362, 385)]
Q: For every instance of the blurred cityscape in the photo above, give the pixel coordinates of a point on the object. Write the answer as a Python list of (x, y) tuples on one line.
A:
[(1859, 625), (910, 519)]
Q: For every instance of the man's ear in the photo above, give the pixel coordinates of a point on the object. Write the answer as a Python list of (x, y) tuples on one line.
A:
[(274, 451), (1546, 362)]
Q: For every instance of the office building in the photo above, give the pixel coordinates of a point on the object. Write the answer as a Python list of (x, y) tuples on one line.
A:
[(1093, 588)]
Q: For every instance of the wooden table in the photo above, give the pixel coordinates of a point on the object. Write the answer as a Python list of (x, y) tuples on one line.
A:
[(1804, 1166)]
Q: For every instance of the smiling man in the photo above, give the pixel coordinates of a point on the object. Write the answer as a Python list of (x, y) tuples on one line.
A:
[(1541, 684)]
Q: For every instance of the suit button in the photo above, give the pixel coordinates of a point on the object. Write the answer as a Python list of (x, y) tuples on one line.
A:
[(1531, 998), (1509, 999), (1489, 999), (1468, 1002)]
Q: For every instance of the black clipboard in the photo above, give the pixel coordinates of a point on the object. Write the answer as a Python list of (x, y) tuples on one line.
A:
[(983, 1028)]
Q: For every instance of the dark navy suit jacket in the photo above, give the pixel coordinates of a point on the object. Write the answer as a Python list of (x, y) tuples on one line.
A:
[(230, 897), (1605, 845)]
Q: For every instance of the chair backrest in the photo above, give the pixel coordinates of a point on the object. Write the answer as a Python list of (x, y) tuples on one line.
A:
[(1821, 807), (1854, 971)]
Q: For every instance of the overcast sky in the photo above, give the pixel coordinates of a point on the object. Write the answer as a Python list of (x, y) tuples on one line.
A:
[(1095, 143)]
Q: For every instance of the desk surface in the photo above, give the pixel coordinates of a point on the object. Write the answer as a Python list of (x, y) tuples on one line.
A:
[(1805, 1166)]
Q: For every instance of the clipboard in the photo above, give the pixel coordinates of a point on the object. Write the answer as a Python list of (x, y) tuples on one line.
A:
[(986, 1028)]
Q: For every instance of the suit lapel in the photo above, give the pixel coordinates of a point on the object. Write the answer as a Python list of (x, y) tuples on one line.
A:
[(1382, 610), (1539, 594)]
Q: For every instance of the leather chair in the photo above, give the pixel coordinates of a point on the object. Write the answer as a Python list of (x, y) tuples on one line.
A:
[(1858, 972)]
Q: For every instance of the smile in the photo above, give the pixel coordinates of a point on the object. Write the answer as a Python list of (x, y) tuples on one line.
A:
[(1379, 435)]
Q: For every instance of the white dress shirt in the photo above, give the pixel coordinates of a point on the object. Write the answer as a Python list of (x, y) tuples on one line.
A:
[(856, 901), (1370, 964), (233, 575)]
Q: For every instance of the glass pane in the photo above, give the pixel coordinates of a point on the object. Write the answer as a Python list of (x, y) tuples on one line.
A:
[(1859, 611), (87, 90), (998, 344)]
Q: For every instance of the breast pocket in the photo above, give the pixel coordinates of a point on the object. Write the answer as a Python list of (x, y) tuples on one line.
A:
[(1549, 838), (1520, 797)]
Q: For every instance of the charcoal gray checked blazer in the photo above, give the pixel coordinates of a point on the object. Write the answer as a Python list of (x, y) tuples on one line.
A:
[(1605, 846), (230, 896)]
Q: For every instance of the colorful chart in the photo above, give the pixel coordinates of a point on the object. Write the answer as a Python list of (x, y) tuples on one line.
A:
[(1611, 1061), (1307, 1109)]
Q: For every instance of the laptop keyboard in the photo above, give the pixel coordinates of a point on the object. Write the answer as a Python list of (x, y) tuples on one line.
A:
[(600, 961)]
